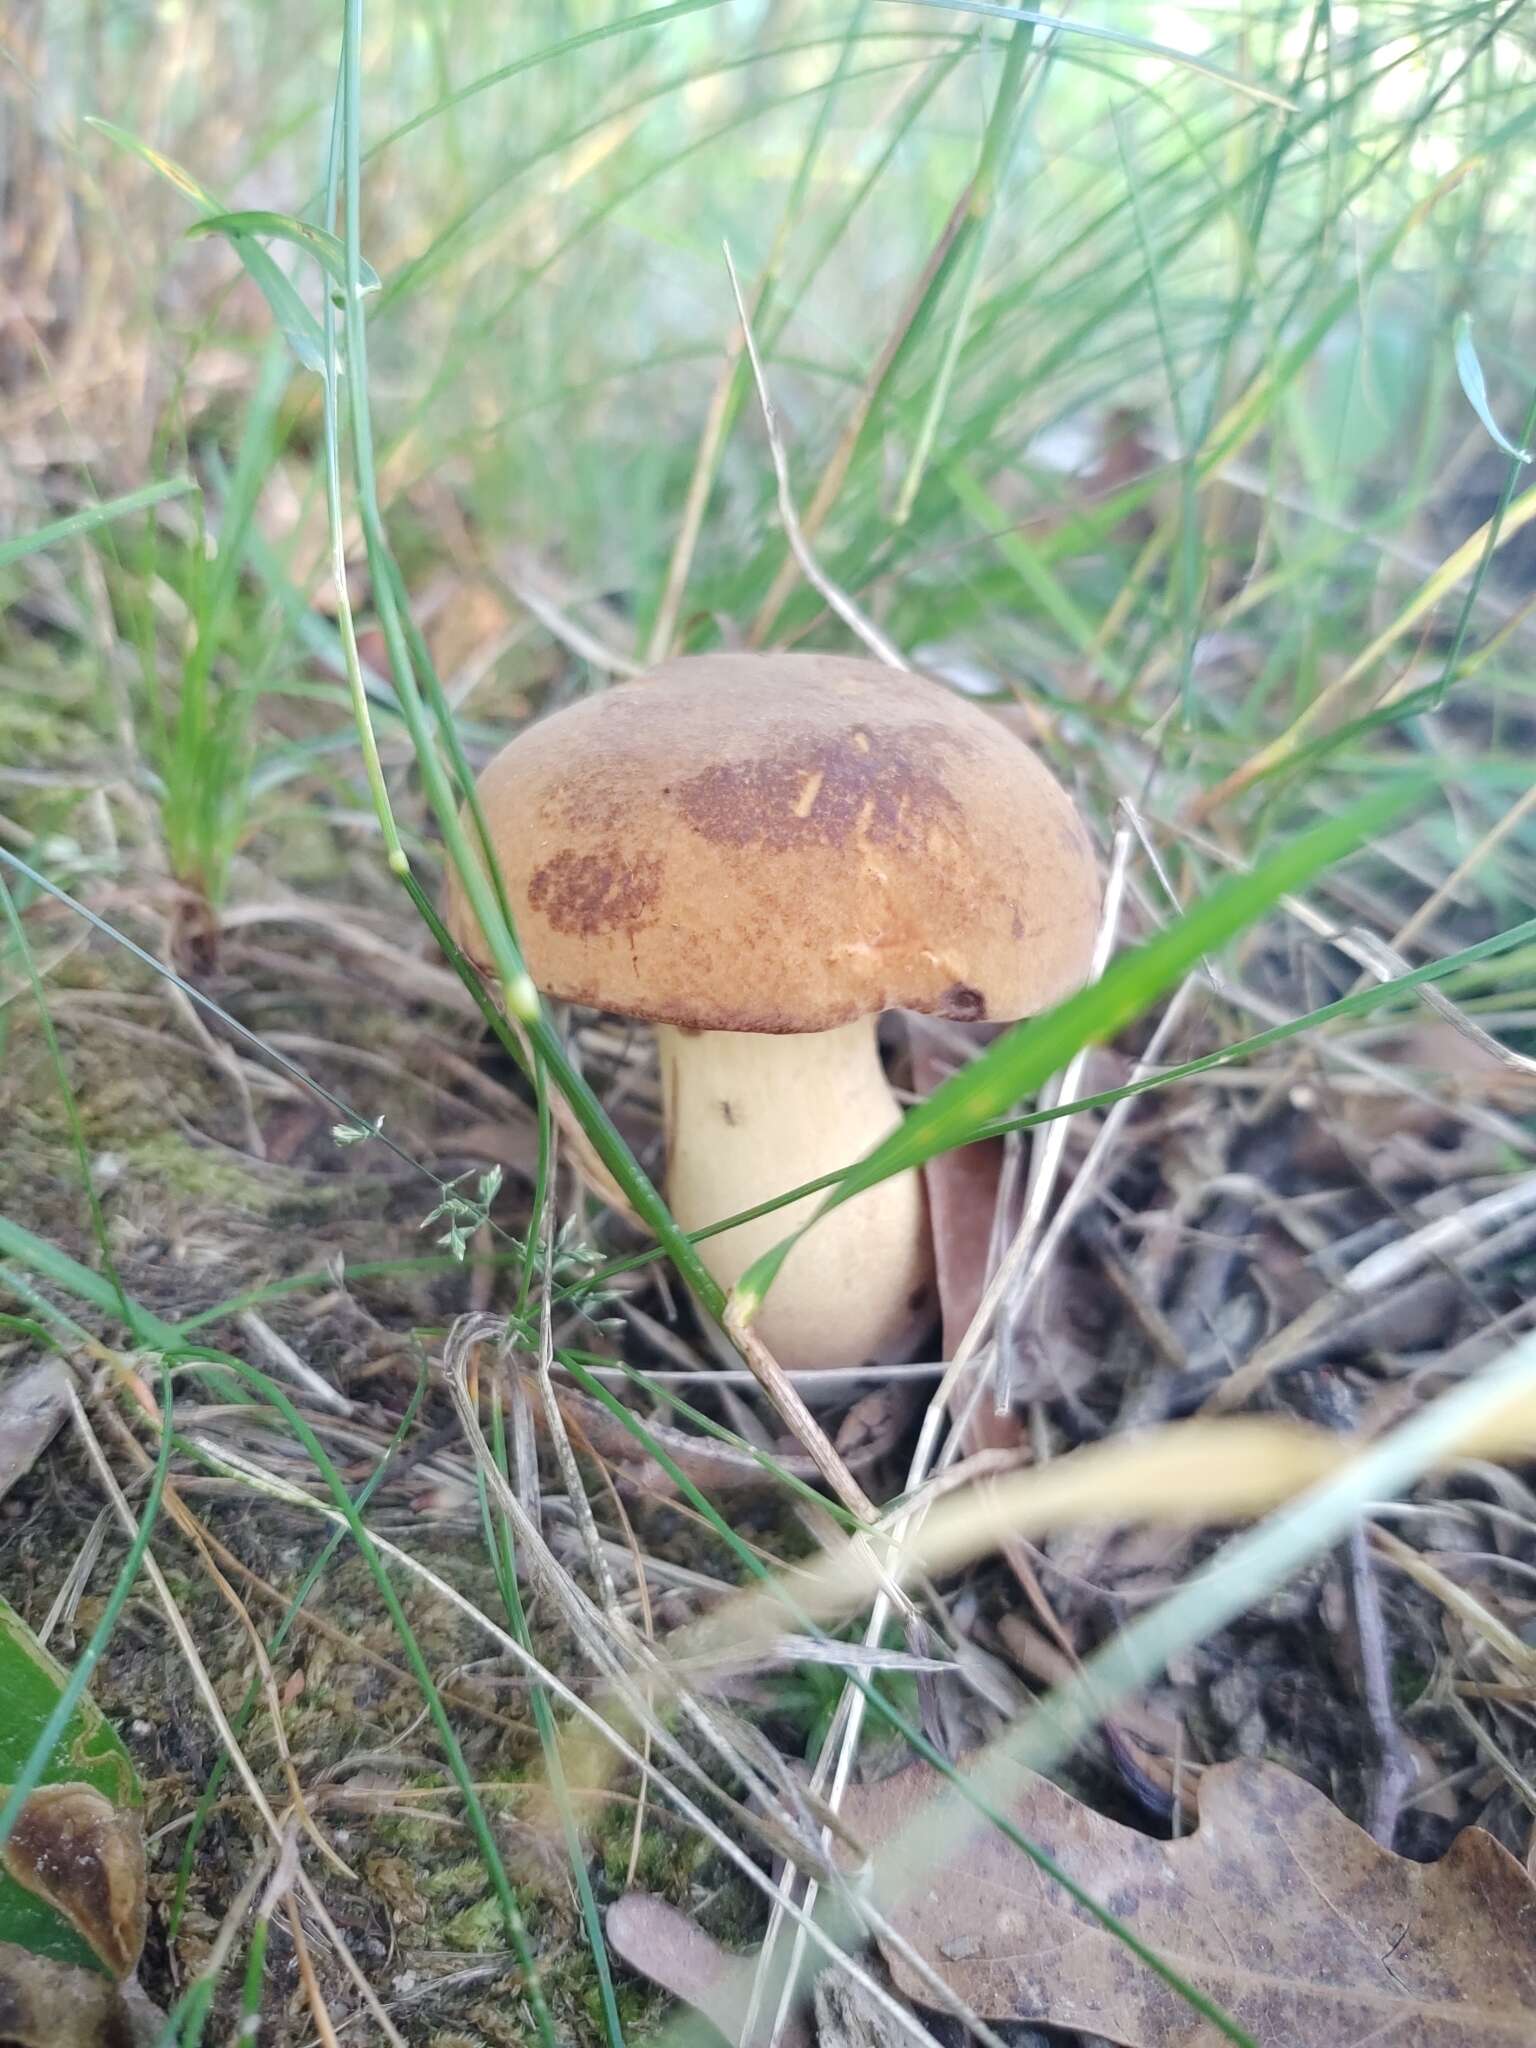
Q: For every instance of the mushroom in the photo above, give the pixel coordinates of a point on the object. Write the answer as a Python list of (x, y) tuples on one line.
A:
[(758, 854)]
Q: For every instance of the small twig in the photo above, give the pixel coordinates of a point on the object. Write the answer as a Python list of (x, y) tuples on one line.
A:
[(1394, 1767), (1430, 908), (282, 1357), (1442, 1239), (312, 1992), (559, 624), (1388, 1267), (1468, 1609), (798, 1419), (68, 1597)]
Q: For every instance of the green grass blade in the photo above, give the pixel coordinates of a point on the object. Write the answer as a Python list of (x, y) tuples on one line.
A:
[(647, 18), (298, 324), (23, 544), (1140, 46), (317, 242)]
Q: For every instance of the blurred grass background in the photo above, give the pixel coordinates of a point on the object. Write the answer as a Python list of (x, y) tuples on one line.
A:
[(1219, 313)]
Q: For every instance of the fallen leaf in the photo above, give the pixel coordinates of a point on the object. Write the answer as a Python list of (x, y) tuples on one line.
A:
[(89, 1777), (48, 2004), (1278, 1908), (74, 1848), (663, 1944), (32, 1405)]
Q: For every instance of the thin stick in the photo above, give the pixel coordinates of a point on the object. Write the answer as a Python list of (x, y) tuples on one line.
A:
[(1409, 930), (312, 1991)]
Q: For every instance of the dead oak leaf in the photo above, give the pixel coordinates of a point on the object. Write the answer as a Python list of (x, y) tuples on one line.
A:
[(1297, 1924)]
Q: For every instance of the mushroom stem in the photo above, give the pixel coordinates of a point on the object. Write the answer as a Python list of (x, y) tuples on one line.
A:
[(751, 1114)]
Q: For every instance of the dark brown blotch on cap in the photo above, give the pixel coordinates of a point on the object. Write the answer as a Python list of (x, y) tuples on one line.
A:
[(596, 892), (875, 787)]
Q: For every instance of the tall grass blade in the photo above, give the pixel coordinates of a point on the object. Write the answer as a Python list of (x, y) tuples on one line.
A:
[(1040, 1047)]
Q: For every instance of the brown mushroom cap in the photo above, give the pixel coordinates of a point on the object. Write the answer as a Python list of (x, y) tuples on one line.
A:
[(785, 842)]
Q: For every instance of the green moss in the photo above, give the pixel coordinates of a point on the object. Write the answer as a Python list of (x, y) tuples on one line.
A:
[(453, 1880), (478, 1929), (171, 1163)]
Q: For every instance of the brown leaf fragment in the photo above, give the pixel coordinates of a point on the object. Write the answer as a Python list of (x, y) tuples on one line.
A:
[(48, 2004), (673, 1951), (873, 1425), (962, 1198), (1278, 1908), (32, 1405), (74, 1848), (848, 2017)]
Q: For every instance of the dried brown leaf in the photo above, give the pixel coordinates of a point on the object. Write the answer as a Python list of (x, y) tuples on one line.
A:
[(962, 1196), (85, 1856), (32, 1406), (1279, 1908), (48, 2004)]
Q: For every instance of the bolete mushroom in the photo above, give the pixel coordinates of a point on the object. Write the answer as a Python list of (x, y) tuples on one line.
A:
[(759, 853)]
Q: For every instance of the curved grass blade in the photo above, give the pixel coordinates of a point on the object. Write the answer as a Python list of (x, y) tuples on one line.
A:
[(1137, 46), (1041, 1046), (300, 328), (317, 242), (1469, 370), (651, 17)]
